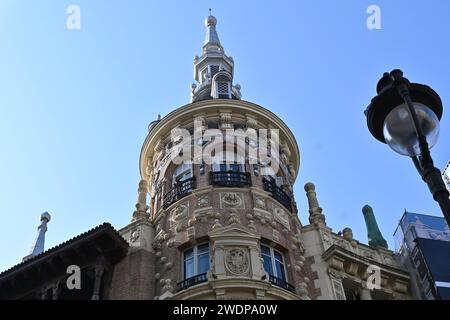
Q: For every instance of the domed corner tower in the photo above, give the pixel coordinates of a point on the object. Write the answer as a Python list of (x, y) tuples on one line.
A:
[(219, 172)]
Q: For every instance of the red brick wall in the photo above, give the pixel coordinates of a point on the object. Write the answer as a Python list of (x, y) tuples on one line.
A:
[(134, 277)]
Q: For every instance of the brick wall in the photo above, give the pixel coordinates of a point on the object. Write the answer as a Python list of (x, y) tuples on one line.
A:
[(134, 277)]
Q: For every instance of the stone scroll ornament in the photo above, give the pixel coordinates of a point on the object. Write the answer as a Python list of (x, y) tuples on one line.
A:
[(237, 261)]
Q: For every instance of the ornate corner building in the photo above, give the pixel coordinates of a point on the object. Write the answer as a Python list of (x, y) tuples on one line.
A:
[(216, 229)]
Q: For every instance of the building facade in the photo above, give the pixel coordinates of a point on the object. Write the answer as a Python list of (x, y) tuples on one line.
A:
[(423, 243), (216, 216)]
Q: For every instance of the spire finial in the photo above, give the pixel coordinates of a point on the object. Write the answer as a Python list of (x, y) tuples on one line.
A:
[(38, 245), (315, 211), (210, 12), (373, 232)]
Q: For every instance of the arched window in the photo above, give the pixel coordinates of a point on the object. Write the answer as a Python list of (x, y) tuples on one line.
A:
[(182, 173), (221, 85)]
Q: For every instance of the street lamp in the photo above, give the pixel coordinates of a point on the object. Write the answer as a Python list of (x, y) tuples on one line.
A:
[(406, 116)]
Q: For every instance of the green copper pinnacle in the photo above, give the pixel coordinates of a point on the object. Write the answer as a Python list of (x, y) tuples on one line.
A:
[(373, 232)]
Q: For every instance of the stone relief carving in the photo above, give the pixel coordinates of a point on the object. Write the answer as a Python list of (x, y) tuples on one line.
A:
[(260, 203), (262, 215), (327, 240), (369, 255), (225, 120), (281, 216), (168, 265), (216, 224), (233, 218), (203, 216), (338, 290), (161, 236), (237, 261), (134, 235), (251, 225), (203, 201), (302, 290), (232, 200), (167, 285), (179, 212)]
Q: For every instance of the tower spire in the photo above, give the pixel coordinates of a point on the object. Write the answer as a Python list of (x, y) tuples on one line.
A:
[(373, 232), (39, 243), (213, 70), (212, 42)]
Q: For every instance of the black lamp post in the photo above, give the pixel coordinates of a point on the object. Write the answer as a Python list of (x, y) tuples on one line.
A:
[(406, 116)]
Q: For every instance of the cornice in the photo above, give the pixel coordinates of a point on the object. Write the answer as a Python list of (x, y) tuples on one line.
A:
[(206, 106)]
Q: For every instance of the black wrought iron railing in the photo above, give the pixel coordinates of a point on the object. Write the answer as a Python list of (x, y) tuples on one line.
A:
[(277, 193), (281, 283), (179, 191), (200, 278), (230, 179)]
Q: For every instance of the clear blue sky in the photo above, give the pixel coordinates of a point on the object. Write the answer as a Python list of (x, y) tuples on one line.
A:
[(75, 105)]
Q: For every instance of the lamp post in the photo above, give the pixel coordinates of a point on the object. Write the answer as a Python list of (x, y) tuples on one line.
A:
[(406, 116)]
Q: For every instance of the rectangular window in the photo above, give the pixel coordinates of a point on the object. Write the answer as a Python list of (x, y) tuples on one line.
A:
[(196, 261), (222, 87), (273, 262), (189, 270)]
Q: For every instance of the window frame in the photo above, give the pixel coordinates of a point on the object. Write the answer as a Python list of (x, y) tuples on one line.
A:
[(184, 175), (196, 255), (272, 256)]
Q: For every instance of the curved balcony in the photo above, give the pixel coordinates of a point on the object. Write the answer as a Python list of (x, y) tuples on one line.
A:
[(179, 191), (281, 283), (200, 278), (230, 179), (277, 193)]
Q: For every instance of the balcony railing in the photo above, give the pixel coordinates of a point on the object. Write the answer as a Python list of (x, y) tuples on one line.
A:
[(281, 283), (230, 179), (277, 193), (179, 191), (200, 278)]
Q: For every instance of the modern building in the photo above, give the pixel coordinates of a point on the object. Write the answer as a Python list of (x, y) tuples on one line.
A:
[(216, 216), (423, 243)]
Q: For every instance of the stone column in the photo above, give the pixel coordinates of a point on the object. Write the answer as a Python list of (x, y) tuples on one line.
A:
[(364, 292), (99, 269), (141, 205), (336, 282), (257, 268), (315, 211)]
